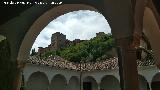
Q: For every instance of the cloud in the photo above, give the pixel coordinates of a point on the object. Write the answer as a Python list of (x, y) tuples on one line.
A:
[(83, 24)]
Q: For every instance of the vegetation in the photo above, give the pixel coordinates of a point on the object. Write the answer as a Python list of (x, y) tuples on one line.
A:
[(87, 51), (33, 52)]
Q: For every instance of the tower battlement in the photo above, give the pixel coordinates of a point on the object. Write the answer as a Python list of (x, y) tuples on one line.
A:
[(58, 41)]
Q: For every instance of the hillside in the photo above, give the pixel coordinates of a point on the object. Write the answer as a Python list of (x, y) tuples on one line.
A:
[(97, 48)]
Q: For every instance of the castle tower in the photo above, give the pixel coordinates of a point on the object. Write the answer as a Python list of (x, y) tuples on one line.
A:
[(100, 34), (58, 41)]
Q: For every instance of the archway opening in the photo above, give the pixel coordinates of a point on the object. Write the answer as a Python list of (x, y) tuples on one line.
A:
[(41, 23), (75, 37), (156, 82), (37, 81), (45, 19), (109, 82), (143, 84), (73, 84), (89, 83), (58, 82)]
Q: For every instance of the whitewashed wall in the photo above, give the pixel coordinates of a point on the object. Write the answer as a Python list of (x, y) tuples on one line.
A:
[(70, 83)]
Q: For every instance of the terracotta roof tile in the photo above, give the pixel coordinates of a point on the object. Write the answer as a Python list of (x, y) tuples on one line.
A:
[(60, 63)]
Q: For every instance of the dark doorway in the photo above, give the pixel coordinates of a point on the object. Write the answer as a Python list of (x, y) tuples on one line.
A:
[(87, 86), (155, 85)]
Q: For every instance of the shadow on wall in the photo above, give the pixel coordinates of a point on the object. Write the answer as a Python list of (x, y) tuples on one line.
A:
[(143, 83), (37, 81), (156, 82), (58, 82), (109, 82), (7, 67), (73, 83)]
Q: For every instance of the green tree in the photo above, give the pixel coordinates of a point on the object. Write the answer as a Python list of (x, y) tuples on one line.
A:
[(87, 51), (33, 52)]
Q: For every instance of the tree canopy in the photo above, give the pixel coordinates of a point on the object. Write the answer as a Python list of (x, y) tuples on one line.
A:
[(88, 50)]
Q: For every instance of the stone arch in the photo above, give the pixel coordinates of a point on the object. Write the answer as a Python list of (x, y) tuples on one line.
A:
[(155, 9), (109, 82), (42, 21), (124, 15), (92, 81), (139, 13), (114, 15), (58, 82), (143, 83), (74, 83), (138, 16), (155, 84), (152, 31), (27, 75), (37, 81)]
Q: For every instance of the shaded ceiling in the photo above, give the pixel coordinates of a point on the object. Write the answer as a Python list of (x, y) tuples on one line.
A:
[(157, 5), (11, 11)]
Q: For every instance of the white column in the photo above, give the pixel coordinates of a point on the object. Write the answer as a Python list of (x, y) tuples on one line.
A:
[(149, 83), (99, 86)]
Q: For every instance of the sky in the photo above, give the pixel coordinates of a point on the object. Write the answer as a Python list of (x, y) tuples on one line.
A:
[(82, 24)]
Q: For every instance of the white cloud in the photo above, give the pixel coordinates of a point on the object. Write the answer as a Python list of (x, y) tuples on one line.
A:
[(81, 24)]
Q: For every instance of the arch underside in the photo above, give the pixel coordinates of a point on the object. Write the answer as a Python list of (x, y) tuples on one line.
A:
[(143, 83), (73, 84), (37, 81), (58, 82), (109, 83), (152, 31)]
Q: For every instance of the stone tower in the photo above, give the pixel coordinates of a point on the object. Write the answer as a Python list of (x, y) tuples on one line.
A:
[(58, 41)]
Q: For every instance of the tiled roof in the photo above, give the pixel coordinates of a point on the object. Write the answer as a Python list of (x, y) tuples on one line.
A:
[(60, 63)]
